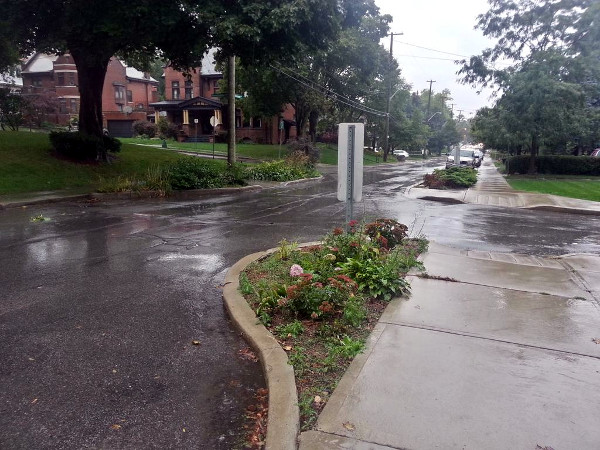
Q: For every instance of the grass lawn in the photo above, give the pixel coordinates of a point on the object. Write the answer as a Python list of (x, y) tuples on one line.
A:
[(582, 187), (256, 151), (28, 166)]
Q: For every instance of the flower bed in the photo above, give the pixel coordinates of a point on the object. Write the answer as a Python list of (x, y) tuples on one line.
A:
[(451, 178), (322, 301)]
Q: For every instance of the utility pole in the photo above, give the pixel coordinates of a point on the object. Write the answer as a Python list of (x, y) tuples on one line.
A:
[(452, 110), (231, 110), (386, 145), (460, 114), (429, 101)]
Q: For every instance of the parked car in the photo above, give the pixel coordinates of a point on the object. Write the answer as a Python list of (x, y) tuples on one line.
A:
[(401, 154), (467, 158), (595, 153)]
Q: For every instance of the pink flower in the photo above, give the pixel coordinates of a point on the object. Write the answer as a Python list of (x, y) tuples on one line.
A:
[(353, 223), (296, 270)]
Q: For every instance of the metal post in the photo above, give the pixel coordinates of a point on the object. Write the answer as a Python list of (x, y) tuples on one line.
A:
[(350, 175)]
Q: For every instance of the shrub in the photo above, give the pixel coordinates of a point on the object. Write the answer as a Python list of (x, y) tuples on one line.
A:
[(195, 173), (453, 177), (81, 146), (166, 129), (78, 146), (328, 137), (144, 128), (279, 171), (555, 165), (386, 232), (305, 146)]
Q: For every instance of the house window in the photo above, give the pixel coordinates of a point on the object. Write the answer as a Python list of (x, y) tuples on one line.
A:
[(189, 86), (119, 94), (60, 77), (129, 96), (246, 123), (175, 90), (73, 105), (62, 105), (71, 79), (257, 122), (140, 106), (36, 82)]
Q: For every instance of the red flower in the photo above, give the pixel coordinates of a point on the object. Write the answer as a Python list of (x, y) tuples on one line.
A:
[(354, 244), (353, 223), (337, 231)]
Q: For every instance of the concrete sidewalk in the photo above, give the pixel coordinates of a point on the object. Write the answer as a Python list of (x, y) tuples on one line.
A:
[(491, 351), (493, 190)]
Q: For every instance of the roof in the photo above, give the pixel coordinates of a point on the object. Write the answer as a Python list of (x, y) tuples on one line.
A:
[(40, 62), (191, 104), (132, 72)]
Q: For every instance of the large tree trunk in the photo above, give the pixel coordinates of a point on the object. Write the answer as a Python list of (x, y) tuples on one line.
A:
[(301, 113), (313, 120), (534, 151), (91, 74)]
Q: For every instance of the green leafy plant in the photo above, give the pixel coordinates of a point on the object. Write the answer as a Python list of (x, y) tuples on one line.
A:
[(293, 329), (286, 248), (344, 347), (245, 285)]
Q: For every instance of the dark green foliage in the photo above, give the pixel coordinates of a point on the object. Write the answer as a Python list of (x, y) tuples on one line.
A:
[(144, 128), (77, 146), (111, 144), (279, 171), (166, 129), (453, 177), (555, 165), (196, 173)]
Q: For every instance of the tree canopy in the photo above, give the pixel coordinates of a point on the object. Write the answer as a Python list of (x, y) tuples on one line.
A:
[(549, 86), (93, 31)]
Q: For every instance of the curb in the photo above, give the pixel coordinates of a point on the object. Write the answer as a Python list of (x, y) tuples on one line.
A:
[(180, 195), (283, 423), (563, 209)]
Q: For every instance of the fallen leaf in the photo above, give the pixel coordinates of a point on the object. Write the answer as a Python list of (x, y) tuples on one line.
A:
[(547, 447), (596, 340), (194, 342), (348, 426), (248, 354), (183, 430), (116, 426), (34, 401), (31, 359), (287, 348), (262, 391), (318, 399), (114, 371)]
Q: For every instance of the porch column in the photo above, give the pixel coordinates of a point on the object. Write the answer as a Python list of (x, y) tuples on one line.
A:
[(156, 116), (186, 117), (218, 116)]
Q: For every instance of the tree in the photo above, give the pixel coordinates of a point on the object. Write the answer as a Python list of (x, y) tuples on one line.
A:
[(12, 110), (550, 91), (181, 31)]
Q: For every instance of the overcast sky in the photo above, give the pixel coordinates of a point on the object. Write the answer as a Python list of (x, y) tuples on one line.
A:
[(443, 25)]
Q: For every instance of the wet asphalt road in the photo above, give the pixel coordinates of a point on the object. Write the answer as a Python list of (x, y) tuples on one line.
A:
[(99, 305)]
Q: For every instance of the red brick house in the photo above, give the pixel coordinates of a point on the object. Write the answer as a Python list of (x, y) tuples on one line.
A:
[(193, 100), (126, 96)]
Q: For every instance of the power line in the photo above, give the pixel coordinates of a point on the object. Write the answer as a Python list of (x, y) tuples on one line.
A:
[(309, 83), (336, 97), (433, 50), (429, 57)]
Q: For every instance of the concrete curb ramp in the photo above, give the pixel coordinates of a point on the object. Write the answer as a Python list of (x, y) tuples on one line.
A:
[(284, 416)]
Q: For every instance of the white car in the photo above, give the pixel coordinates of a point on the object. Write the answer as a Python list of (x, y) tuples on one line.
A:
[(401, 153), (467, 159)]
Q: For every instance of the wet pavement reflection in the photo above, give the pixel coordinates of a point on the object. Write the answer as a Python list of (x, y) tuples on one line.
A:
[(100, 304)]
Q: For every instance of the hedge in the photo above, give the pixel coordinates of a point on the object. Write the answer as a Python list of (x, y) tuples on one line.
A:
[(555, 165)]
